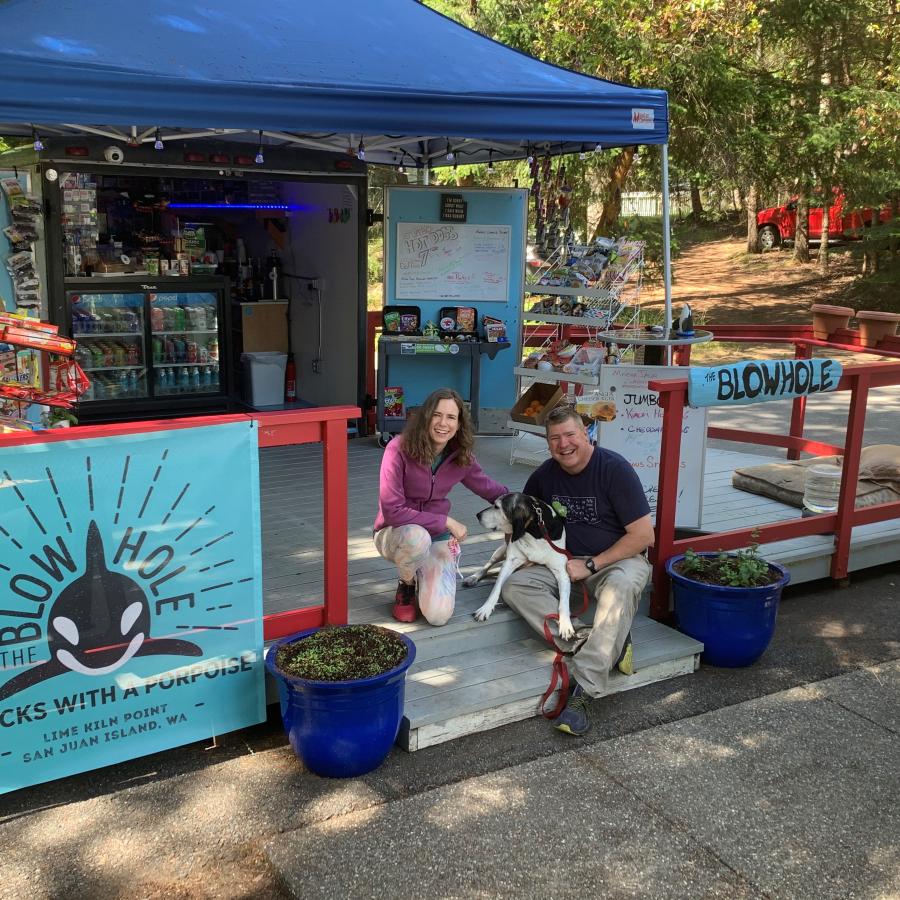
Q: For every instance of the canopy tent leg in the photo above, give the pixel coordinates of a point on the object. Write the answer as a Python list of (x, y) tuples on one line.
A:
[(667, 252)]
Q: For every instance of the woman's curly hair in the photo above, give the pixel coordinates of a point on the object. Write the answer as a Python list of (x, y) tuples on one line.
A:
[(417, 440)]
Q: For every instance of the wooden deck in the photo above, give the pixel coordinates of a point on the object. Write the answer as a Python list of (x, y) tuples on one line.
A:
[(469, 676)]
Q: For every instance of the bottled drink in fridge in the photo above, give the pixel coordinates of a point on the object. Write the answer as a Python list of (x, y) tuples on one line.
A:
[(195, 379)]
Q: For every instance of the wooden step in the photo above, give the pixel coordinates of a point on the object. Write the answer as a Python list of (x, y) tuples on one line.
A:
[(473, 689)]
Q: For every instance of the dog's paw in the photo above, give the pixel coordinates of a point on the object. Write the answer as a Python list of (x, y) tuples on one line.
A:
[(566, 630), (483, 612), (471, 580)]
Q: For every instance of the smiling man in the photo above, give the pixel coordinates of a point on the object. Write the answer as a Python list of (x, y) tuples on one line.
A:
[(608, 531)]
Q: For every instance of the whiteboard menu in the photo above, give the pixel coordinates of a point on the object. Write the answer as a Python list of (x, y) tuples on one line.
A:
[(636, 433), (452, 261)]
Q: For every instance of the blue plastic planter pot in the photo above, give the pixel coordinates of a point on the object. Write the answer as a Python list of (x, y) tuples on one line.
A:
[(734, 623), (341, 728)]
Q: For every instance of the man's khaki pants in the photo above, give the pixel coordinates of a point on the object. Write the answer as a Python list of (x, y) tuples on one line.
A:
[(533, 593)]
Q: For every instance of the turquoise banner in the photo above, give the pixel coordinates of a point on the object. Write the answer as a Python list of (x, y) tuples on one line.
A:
[(131, 617), (761, 380)]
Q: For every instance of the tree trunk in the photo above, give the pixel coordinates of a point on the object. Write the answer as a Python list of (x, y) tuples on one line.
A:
[(612, 206), (826, 225), (752, 210), (696, 204), (894, 243), (801, 235)]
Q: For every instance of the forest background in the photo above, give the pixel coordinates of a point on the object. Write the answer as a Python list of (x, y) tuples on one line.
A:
[(768, 100)]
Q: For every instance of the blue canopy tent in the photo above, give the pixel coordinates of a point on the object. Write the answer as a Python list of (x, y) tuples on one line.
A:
[(394, 77)]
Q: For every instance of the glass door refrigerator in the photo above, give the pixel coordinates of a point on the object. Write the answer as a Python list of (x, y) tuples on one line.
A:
[(150, 349)]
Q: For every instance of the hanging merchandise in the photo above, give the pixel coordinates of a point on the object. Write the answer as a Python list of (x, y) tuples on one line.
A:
[(20, 385), (25, 214)]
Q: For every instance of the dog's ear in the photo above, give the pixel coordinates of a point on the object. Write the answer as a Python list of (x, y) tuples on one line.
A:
[(519, 518)]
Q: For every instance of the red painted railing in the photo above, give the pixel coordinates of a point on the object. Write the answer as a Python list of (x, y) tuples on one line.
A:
[(326, 426), (859, 380)]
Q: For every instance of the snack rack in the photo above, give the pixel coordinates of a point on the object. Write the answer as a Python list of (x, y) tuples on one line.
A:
[(575, 311), (62, 378)]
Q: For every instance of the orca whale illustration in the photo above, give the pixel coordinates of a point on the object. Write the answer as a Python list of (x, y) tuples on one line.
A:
[(97, 624)]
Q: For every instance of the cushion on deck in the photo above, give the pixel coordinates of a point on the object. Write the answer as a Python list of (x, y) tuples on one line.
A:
[(879, 477)]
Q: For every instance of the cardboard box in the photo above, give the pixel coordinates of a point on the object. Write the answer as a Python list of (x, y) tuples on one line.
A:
[(548, 394)]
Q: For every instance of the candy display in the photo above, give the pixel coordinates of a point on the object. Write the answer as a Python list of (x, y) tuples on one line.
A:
[(393, 402), (401, 320)]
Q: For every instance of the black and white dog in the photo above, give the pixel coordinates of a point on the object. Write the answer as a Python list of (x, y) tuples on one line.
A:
[(529, 522)]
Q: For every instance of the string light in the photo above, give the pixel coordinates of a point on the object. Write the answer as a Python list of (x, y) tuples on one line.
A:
[(490, 160), (158, 144), (582, 154), (361, 150), (598, 148), (401, 169), (259, 159), (450, 154), (38, 143)]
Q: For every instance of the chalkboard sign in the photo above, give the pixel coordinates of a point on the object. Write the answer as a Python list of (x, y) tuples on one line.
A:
[(453, 208), (452, 262), (636, 433)]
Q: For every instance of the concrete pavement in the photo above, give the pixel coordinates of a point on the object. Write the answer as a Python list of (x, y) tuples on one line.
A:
[(778, 780)]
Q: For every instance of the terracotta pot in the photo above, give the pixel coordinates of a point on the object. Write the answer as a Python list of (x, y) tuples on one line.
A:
[(827, 319), (875, 326)]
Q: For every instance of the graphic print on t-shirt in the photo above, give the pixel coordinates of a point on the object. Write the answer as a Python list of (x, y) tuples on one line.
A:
[(580, 509)]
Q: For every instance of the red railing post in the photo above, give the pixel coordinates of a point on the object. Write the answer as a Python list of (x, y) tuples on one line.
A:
[(856, 422), (672, 402), (798, 408), (334, 455)]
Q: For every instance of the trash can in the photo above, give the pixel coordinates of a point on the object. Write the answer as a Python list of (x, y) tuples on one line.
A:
[(264, 377)]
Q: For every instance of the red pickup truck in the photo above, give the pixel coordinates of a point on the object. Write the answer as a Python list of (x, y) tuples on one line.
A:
[(778, 223)]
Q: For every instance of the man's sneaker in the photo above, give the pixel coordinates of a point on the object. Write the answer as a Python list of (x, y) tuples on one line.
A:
[(574, 718), (625, 662), (405, 607)]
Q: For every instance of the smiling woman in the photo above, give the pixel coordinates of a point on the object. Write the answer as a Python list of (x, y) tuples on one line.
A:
[(414, 528)]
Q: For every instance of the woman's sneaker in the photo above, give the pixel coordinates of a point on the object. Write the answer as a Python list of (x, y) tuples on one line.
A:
[(405, 603)]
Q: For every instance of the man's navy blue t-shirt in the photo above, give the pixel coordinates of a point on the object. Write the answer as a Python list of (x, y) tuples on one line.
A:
[(604, 497)]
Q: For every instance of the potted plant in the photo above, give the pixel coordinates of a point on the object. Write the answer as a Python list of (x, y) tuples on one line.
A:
[(56, 417), (729, 601), (341, 690)]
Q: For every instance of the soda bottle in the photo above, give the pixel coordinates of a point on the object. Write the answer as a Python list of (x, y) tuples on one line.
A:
[(184, 379), (132, 382), (212, 321), (162, 380), (214, 376), (195, 379), (205, 377), (213, 348), (124, 383), (179, 318)]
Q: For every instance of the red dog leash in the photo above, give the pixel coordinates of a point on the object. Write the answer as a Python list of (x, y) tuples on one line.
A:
[(559, 669)]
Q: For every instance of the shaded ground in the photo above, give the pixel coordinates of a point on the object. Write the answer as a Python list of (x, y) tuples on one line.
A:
[(727, 286)]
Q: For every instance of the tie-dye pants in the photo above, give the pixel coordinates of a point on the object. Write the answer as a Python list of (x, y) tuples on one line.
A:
[(433, 563)]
